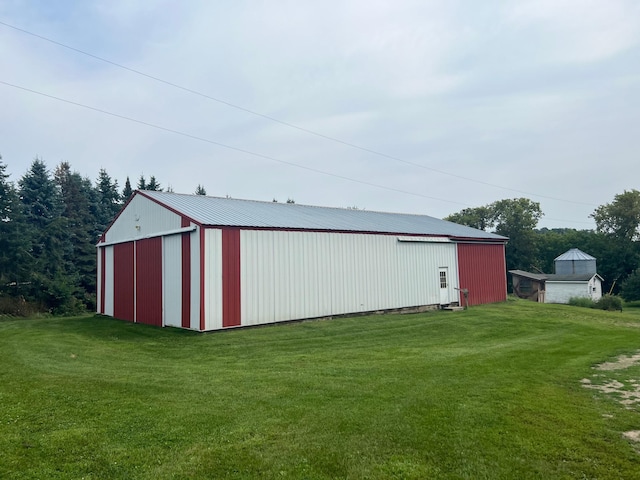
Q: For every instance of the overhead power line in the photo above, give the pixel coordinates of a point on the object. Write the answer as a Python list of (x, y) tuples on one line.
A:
[(287, 124), (223, 145)]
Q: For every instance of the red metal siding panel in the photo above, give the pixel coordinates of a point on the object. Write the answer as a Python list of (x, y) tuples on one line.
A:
[(230, 277), (482, 270), (103, 288), (123, 278), (186, 280), (149, 281)]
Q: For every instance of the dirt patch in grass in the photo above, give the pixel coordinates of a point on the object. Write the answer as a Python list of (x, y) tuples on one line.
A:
[(632, 435), (628, 393), (624, 389), (620, 364)]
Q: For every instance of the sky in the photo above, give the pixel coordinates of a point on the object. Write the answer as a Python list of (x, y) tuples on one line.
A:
[(425, 106)]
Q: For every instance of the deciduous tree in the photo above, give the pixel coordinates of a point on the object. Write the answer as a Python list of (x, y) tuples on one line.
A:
[(514, 218), (620, 218), (478, 217)]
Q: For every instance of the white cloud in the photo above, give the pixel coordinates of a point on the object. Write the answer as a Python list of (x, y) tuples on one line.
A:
[(579, 30), (519, 94)]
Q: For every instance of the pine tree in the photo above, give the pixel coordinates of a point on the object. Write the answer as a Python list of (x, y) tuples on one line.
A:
[(142, 183), (126, 191), (14, 259), (46, 230), (153, 185), (200, 190), (80, 201), (109, 200)]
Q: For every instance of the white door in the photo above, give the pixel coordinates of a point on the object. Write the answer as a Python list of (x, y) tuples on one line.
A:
[(444, 286)]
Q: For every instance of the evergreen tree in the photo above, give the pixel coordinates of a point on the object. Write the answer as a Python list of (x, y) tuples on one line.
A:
[(109, 200), (126, 191), (200, 190), (46, 230), (14, 259), (79, 207), (153, 185), (142, 183)]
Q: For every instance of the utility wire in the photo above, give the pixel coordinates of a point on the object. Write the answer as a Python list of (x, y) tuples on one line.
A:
[(223, 145), (287, 124)]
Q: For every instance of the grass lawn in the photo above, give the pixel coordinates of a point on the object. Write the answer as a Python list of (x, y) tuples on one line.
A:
[(493, 392)]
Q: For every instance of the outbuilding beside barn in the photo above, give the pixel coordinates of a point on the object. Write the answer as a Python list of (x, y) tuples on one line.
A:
[(209, 263), (575, 277)]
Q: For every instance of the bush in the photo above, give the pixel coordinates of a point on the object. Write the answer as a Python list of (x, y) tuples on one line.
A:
[(18, 307), (581, 302), (609, 302), (630, 288)]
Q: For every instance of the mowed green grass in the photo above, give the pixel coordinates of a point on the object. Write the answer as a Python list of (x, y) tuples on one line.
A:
[(493, 392)]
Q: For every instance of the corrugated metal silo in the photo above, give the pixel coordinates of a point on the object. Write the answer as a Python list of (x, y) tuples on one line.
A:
[(574, 262)]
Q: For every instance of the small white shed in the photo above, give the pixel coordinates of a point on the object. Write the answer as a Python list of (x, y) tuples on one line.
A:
[(560, 288), (575, 277)]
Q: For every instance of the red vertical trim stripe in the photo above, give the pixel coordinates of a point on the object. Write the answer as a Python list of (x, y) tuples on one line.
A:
[(231, 277), (482, 271), (123, 281), (103, 276)]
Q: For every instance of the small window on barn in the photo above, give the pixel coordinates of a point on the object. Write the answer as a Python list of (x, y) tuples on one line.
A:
[(526, 286), (443, 279)]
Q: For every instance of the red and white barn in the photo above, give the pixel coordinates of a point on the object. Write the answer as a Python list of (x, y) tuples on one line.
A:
[(208, 263)]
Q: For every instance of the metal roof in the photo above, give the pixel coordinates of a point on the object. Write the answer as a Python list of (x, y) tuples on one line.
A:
[(579, 277), (574, 254), (533, 276), (216, 211), (552, 277)]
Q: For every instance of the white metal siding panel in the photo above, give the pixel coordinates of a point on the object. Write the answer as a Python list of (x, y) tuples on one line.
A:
[(140, 218), (212, 278), (172, 281), (98, 280), (291, 275), (257, 279), (108, 281), (561, 292), (195, 280)]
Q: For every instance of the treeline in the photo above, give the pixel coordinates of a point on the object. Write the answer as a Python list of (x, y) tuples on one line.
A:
[(50, 223), (615, 243)]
